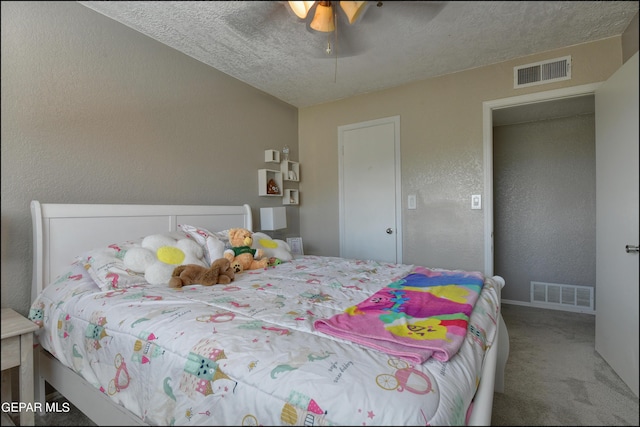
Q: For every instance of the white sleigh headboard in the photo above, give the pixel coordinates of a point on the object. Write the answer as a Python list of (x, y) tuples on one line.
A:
[(62, 232)]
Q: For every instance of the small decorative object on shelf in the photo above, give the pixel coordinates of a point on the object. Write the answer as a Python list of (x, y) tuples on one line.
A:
[(290, 170), (290, 197), (269, 182), (285, 152), (272, 187)]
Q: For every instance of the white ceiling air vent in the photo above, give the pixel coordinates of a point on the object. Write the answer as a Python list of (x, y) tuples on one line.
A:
[(552, 70)]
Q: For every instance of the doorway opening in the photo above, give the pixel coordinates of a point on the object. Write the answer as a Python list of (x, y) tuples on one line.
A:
[(489, 109)]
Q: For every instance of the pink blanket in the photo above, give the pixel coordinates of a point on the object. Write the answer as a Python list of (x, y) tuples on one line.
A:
[(425, 314)]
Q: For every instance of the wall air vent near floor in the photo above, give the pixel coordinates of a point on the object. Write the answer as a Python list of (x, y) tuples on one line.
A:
[(562, 297), (553, 70)]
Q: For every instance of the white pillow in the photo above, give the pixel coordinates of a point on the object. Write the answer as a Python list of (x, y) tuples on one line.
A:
[(106, 266), (213, 243)]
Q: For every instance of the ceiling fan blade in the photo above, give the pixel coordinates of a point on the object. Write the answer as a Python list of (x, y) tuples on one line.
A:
[(300, 8), (354, 9)]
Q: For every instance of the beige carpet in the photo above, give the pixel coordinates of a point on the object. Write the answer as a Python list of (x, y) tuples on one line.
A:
[(554, 377)]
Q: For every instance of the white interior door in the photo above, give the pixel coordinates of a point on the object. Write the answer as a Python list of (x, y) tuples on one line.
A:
[(617, 222), (370, 190)]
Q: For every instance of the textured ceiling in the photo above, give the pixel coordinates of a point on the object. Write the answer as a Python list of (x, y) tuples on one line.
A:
[(261, 43)]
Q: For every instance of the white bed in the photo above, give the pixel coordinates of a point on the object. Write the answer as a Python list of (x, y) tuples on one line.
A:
[(62, 232)]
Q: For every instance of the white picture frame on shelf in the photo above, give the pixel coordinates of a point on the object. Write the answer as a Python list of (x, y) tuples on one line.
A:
[(295, 244)]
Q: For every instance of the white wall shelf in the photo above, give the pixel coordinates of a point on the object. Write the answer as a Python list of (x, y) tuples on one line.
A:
[(290, 170), (271, 156), (267, 176), (291, 197)]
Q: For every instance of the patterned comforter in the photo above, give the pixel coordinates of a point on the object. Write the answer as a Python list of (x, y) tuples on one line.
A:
[(247, 353)]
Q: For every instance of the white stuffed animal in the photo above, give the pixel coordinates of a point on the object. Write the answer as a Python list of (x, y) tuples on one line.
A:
[(271, 248), (159, 254)]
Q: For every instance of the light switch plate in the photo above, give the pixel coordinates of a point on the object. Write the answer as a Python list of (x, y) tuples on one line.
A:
[(411, 201), (476, 201)]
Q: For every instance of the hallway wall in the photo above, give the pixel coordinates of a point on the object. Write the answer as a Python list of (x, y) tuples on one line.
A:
[(544, 203)]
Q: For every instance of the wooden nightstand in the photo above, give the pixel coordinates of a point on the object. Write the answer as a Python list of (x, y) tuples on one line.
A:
[(17, 350)]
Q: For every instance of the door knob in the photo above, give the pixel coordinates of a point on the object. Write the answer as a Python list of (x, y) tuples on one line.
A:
[(390, 231), (631, 249)]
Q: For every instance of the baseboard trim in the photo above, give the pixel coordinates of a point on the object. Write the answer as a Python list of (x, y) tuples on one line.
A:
[(549, 307)]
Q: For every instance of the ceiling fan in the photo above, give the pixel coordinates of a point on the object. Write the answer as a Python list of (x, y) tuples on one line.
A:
[(323, 17), (323, 14)]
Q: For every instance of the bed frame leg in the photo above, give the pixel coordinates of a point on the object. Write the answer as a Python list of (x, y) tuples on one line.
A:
[(503, 355), (39, 392)]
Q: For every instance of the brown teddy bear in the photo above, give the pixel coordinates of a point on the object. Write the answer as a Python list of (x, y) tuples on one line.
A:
[(220, 272), (241, 255), (226, 274)]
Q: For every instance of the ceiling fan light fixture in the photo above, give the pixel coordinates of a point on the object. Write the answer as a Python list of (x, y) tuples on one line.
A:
[(321, 15), (323, 18), (301, 8), (353, 9)]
